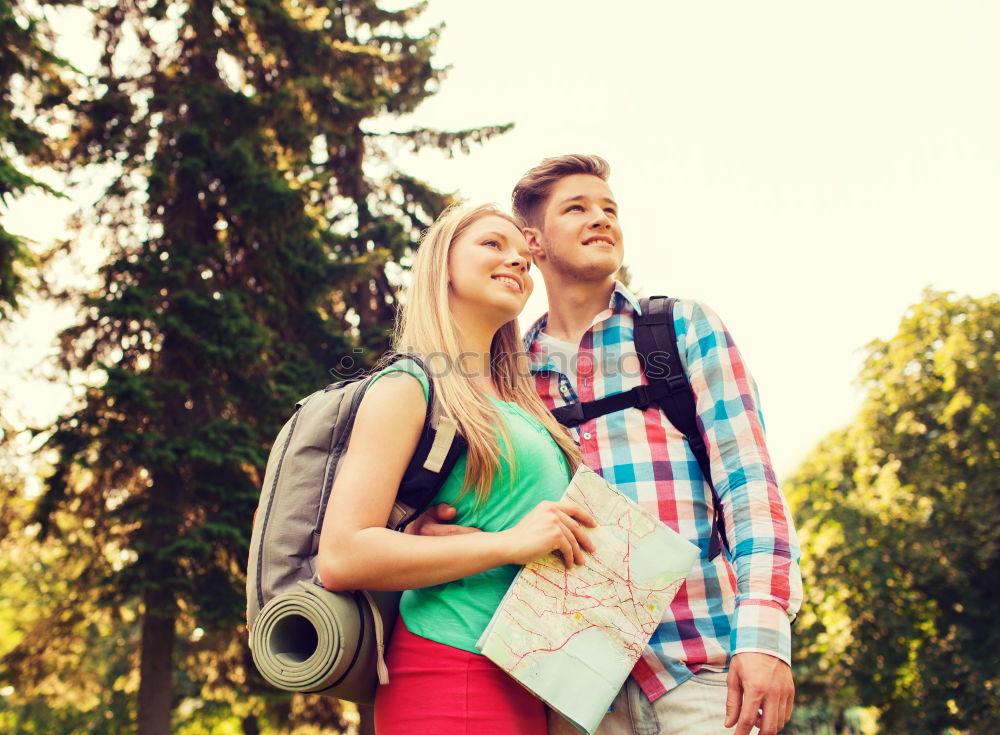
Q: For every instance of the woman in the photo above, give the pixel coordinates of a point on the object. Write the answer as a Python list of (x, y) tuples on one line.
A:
[(470, 281)]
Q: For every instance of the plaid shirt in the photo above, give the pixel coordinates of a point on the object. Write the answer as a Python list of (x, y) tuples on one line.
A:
[(732, 604)]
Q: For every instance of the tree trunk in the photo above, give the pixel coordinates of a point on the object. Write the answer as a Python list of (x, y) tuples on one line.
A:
[(250, 726), (156, 663), (367, 726)]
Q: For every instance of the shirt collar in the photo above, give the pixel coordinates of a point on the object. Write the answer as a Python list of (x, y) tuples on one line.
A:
[(620, 296), (537, 357)]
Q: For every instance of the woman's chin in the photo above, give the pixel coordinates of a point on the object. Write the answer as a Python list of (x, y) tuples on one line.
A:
[(514, 314), (506, 316), (511, 306), (496, 309)]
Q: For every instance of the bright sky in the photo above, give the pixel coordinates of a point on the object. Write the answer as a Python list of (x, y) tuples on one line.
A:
[(804, 168)]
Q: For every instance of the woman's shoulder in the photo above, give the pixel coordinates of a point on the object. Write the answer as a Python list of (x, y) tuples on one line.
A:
[(394, 406), (404, 366)]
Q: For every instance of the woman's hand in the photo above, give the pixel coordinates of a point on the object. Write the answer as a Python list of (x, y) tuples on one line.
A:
[(551, 527)]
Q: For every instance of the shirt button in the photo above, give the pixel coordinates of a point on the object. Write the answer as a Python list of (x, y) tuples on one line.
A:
[(588, 436)]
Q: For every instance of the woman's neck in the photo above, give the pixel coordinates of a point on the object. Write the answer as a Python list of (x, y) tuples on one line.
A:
[(475, 340)]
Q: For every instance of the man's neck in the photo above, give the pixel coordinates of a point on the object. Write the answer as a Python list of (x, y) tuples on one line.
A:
[(573, 306)]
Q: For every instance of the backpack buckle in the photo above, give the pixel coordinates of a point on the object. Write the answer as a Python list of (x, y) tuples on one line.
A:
[(640, 395), (676, 383), (570, 415)]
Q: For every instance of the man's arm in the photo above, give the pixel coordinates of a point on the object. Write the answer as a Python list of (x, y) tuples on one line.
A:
[(437, 521), (758, 523)]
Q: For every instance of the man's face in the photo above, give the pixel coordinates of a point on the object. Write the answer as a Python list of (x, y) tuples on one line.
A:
[(580, 237)]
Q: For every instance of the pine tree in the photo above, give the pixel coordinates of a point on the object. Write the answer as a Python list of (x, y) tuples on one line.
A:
[(32, 87), (248, 235)]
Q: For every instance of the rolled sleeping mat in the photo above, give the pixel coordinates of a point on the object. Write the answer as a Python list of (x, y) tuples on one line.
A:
[(321, 642)]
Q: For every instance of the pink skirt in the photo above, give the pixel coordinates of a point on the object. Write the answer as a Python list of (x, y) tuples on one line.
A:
[(435, 689)]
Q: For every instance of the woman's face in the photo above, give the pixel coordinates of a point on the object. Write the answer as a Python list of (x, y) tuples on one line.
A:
[(488, 270)]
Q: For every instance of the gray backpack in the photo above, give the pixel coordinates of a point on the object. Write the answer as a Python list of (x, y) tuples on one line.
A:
[(303, 637)]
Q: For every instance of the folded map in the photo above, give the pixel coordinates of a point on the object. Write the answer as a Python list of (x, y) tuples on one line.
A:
[(571, 636)]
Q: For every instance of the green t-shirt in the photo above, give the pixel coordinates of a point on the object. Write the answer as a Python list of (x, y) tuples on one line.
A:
[(456, 613)]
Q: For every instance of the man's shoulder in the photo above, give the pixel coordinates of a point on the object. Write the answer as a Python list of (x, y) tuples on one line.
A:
[(687, 310)]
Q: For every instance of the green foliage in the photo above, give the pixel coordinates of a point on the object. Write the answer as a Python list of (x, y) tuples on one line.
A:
[(248, 233), (32, 89), (66, 660), (898, 514)]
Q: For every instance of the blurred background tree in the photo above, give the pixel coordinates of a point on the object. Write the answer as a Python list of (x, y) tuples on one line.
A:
[(256, 228), (898, 515), (252, 229), (34, 84)]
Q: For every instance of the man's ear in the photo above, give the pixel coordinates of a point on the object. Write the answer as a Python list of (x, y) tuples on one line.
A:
[(534, 237)]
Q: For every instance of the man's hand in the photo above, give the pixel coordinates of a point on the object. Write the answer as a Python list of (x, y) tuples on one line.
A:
[(761, 693), (436, 521)]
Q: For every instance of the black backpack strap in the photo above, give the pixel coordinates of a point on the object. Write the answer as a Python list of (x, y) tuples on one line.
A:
[(438, 449), (574, 414), (656, 344)]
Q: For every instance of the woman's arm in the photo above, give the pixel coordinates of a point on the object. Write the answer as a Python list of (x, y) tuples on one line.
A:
[(357, 551)]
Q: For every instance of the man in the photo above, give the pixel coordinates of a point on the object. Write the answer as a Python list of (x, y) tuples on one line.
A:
[(720, 660)]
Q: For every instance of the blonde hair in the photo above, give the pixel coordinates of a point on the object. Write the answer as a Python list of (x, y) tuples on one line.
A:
[(532, 191), (424, 327)]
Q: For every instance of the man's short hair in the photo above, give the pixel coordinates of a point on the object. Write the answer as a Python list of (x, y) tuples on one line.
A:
[(532, 191)]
